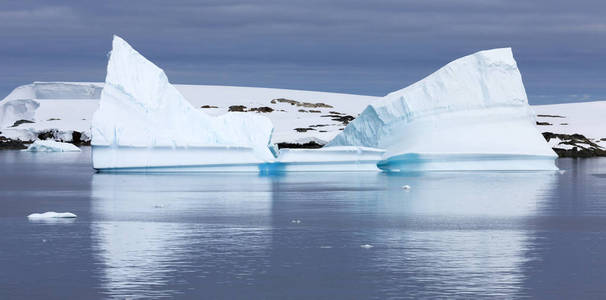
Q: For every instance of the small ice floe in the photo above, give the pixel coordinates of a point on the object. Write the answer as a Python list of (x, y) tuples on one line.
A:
[(406, 187), (51, 215), (366, 246), (295, 221), (325, 247), (51, 146)]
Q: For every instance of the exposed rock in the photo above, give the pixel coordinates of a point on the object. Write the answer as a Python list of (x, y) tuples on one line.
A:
[(580, 145), (208, 106), (262, 109), (48, 134), (237, 108), (77, 139), (319, 125), (308, 145), (19, 122), (53, 119), (550, 116), (314, 111), (302, 110), (544, 124), (304, 104), (303, 129), (10, 144), (345, 119)]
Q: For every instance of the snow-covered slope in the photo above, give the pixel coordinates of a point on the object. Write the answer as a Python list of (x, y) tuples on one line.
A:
[(141, 114), (471, 114), (574, 129), (298, 116)]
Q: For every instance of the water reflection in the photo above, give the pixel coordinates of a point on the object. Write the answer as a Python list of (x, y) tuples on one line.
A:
[(227, 236)]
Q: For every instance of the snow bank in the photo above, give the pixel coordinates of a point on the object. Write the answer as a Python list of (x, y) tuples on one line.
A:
[(471, 114), (144, 122), (51, 146), (14, 110), (57, 90), (51, 215)]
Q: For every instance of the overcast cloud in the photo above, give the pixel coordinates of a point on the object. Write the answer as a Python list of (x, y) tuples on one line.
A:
[(363, 47)]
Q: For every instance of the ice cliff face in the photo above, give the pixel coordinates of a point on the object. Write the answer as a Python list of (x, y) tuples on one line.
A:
[(474, 108), (140, 108)]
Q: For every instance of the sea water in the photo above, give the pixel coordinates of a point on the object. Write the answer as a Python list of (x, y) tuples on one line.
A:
[(300, 235)]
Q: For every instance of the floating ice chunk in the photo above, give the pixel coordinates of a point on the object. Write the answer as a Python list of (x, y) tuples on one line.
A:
[(51, 215), (406, 187), (51, 146), (366, 246), (472, 114), (144, 122), (295, 221)]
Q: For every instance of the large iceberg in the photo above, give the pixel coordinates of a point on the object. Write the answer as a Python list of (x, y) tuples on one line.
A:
[(472, 114), (143, 122)]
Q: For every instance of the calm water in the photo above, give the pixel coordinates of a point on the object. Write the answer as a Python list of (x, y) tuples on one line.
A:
[(219, 236)]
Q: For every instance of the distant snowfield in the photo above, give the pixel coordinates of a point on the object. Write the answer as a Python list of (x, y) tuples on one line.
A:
[(300, 122), (65, 107), (586, 118)]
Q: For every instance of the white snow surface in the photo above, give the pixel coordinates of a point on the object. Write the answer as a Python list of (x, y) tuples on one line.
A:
[(51, 215), (475, 105), (51, 146), (586, 118), (140, 108)]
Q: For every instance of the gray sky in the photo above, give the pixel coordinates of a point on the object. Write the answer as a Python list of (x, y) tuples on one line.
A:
[(358, 46)]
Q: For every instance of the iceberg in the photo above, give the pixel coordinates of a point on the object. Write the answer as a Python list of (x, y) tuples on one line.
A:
[(334, 159), (51, 146), (51, 215), (143, 123), (471, 114)]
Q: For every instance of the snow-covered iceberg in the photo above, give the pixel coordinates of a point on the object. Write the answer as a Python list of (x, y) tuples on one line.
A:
[(472, 114), (51, 146), (51, 215), (144, 123)]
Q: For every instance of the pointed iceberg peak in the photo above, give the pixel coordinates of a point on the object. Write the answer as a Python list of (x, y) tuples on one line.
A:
[(471, 114), (143, 121)]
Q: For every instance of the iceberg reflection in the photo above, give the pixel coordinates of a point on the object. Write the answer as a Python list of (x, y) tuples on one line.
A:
[(233, 235)]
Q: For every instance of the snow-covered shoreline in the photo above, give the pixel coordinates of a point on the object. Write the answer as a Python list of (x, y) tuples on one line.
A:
[(62, 111)]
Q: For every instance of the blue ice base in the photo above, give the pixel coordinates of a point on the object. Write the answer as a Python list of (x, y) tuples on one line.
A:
[(414, 162)]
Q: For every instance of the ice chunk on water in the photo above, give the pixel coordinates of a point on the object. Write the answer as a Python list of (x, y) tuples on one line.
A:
[(51, 215), (472, 114), (51, 146), (144, 122)]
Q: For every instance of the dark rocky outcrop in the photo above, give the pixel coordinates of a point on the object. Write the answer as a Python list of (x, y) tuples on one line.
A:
[(308, 145), (10, 144), (580, 145), (303, 104), (262, 109), (303, 129), (19, 122), (544, 123), (208, 106), (345, 119), (550, 116), (241, 108)]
